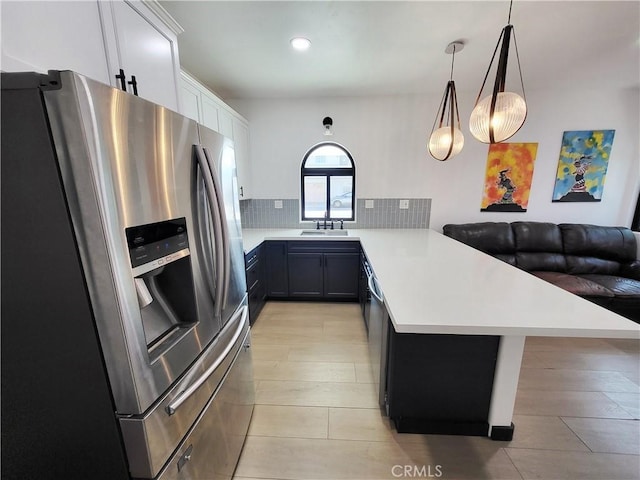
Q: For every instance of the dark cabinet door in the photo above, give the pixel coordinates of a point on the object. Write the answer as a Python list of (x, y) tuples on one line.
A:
[(305, 274), (254, 262), (253, 273), (277, 278), (341, 275)]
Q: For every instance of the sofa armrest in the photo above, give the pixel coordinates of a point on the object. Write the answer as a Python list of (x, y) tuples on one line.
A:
[(631, 270), (637, 235)]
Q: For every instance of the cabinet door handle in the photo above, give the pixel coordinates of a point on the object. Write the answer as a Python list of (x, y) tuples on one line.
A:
[(123, 80), (134, 84), (241, 192)]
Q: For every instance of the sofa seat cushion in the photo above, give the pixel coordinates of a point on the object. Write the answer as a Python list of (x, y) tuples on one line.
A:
[(575, 284), (620, 286), (631, 270), (577, 265)]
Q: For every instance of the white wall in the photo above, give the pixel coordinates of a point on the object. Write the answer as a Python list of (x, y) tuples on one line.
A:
[(379, 132), (387, 137)]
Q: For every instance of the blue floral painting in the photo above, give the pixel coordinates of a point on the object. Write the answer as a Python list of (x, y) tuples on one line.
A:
[(582, 168)]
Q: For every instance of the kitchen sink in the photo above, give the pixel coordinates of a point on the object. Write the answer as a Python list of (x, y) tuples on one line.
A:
[(324, 233)]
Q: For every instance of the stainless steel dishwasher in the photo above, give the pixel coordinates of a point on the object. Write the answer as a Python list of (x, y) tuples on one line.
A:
[(377, 320)]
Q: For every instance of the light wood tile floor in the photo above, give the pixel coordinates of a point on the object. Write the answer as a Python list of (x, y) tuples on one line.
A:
[(577, 411)]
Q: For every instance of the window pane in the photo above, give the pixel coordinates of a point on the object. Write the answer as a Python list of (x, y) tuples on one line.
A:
[(328, 156), (341, 197), (315, 196)]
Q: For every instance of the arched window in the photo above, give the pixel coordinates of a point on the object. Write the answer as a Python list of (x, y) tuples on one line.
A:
[(328, 181)]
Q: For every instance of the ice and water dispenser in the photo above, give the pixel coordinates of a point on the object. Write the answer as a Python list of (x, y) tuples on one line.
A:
[(160, 258)]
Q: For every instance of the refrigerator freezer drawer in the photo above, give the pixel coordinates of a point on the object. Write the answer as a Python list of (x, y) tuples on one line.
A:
[(212, 447), (152, 438)]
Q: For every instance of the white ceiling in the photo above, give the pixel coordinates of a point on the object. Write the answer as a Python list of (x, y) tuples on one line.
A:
[(241, 48)]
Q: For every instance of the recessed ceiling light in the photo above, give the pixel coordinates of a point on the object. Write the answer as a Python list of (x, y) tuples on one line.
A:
[(300, 43)]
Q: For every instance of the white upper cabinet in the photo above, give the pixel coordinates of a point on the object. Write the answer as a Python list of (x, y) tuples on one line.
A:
[(190, 101), (210, 113), (225, 123), (241, 141), (41, 36), (96, 39), (145, 49), (201, 104)]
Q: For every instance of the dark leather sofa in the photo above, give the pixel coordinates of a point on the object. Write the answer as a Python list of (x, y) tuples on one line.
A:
[(595, 262)]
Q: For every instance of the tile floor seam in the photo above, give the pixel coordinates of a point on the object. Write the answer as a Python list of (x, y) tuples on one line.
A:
[(513, 463), (562, 418)]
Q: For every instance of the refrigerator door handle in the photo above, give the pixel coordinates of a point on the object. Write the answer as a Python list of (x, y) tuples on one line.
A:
[(225, 230), (202, 224), (185, 394), (213, 198)]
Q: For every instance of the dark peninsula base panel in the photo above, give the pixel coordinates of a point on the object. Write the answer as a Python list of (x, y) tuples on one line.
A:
[(426, 426), (441, 384)]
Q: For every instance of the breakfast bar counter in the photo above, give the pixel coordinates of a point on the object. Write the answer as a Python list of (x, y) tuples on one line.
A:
[(434, 285)]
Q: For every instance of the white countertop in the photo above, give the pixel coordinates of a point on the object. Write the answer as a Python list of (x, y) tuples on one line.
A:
[(434, 284)]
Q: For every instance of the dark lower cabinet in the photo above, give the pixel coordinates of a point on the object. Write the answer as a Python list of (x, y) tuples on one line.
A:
[(323, 269), (256, 284), (440, 384), (305, 275), (312, 269), (341, 275), (276, 272)]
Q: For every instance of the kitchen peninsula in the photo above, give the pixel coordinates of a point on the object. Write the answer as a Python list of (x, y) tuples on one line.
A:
[(438, 290)]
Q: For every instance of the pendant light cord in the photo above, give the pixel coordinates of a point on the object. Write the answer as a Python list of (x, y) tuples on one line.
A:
[(510, 6), (453, 57)]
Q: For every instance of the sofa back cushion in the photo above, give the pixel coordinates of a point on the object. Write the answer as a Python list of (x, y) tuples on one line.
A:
[(597, 249), (539, 246), (537, 237), (494, 238)]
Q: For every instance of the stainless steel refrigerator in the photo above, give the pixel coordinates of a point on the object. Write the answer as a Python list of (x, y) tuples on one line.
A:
[(125, 329)]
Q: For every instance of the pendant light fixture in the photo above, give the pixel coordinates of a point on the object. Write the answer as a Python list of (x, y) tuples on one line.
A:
[(500, 115), (447, 140)]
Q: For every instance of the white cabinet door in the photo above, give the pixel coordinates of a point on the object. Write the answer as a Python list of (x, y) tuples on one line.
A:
[(225, 123), (47, 35), (93, 38), (190, 100), (147, 53), (210, 113), (241, 142)]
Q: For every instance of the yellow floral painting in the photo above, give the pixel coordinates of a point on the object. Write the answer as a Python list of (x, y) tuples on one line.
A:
[(508, 177)]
